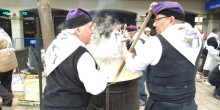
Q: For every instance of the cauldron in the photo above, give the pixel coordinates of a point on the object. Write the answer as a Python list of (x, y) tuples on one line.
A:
[(120, 95)]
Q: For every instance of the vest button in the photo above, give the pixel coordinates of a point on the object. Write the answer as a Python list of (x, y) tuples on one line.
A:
[(185, 86)]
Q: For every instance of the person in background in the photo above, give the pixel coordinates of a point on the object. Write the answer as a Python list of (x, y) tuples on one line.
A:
[(116, 37), (116, 33), (203, 36), (214, 79), (132, 33), (73, 75), (5, 77), (203, 57), (143, 94), (170, 58), (210, 51), (147, 31), (131, 30)]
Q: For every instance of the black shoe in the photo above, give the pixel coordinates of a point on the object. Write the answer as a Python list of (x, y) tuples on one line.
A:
[(0, 108), (216, 96), (7, 102)]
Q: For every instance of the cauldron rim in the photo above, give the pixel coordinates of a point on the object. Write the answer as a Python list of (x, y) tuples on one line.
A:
[(126, 81)]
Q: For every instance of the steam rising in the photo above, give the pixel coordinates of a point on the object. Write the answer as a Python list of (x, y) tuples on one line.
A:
[(107, 52), (101, 44)]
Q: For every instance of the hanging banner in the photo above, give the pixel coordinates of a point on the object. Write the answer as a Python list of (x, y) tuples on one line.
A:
[(212, 5)]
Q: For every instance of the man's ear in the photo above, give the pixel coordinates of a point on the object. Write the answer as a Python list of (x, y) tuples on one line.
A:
[(77, 31), (172, 20)]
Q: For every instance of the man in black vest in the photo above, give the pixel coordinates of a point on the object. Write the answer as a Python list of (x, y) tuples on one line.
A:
[(132, 30), (170, 58), (72, 73)]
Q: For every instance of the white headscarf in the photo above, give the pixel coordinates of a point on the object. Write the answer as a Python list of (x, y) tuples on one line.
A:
[(177, 36), (62, 47)]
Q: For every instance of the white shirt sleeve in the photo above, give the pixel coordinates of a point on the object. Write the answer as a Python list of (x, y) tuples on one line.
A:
[(212, 50), (148, 54), (138, 47), (94, 80)]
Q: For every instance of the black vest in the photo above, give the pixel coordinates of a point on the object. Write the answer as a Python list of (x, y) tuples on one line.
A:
[(128, 44), (64, 89), (173, 77)]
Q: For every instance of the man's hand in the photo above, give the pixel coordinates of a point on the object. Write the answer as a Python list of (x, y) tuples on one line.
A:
[(127, 54), (151, 5)]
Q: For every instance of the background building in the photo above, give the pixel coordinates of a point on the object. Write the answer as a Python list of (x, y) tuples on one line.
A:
[(18, 17)]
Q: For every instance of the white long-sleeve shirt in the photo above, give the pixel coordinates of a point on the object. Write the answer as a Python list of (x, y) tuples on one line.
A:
[(94, 80), (213, 53), (176, 35), (145, 56)]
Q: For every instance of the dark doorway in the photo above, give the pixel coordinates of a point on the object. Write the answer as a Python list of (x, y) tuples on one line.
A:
[(30, 29), (5, 22), (122, 16), (30, 21)]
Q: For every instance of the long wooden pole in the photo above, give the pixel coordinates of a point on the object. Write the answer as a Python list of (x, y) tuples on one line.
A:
[(47, 29), (46, 21), (134, 43)]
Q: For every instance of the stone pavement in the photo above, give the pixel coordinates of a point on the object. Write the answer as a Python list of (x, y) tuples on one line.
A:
[(204, 100)]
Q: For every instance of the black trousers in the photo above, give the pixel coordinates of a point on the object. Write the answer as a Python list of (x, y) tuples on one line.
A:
[(205, 73), (214, 78), (202, 64), (5, 85), (156, 105), (45, 107)]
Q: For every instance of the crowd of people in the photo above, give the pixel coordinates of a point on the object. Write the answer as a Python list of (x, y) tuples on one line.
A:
[(168, 61), (210, 57)]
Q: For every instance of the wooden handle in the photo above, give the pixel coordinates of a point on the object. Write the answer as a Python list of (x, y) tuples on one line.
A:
[(134, 43)]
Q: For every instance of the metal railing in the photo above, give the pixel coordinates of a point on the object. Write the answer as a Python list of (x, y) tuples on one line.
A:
[(21, 43)]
